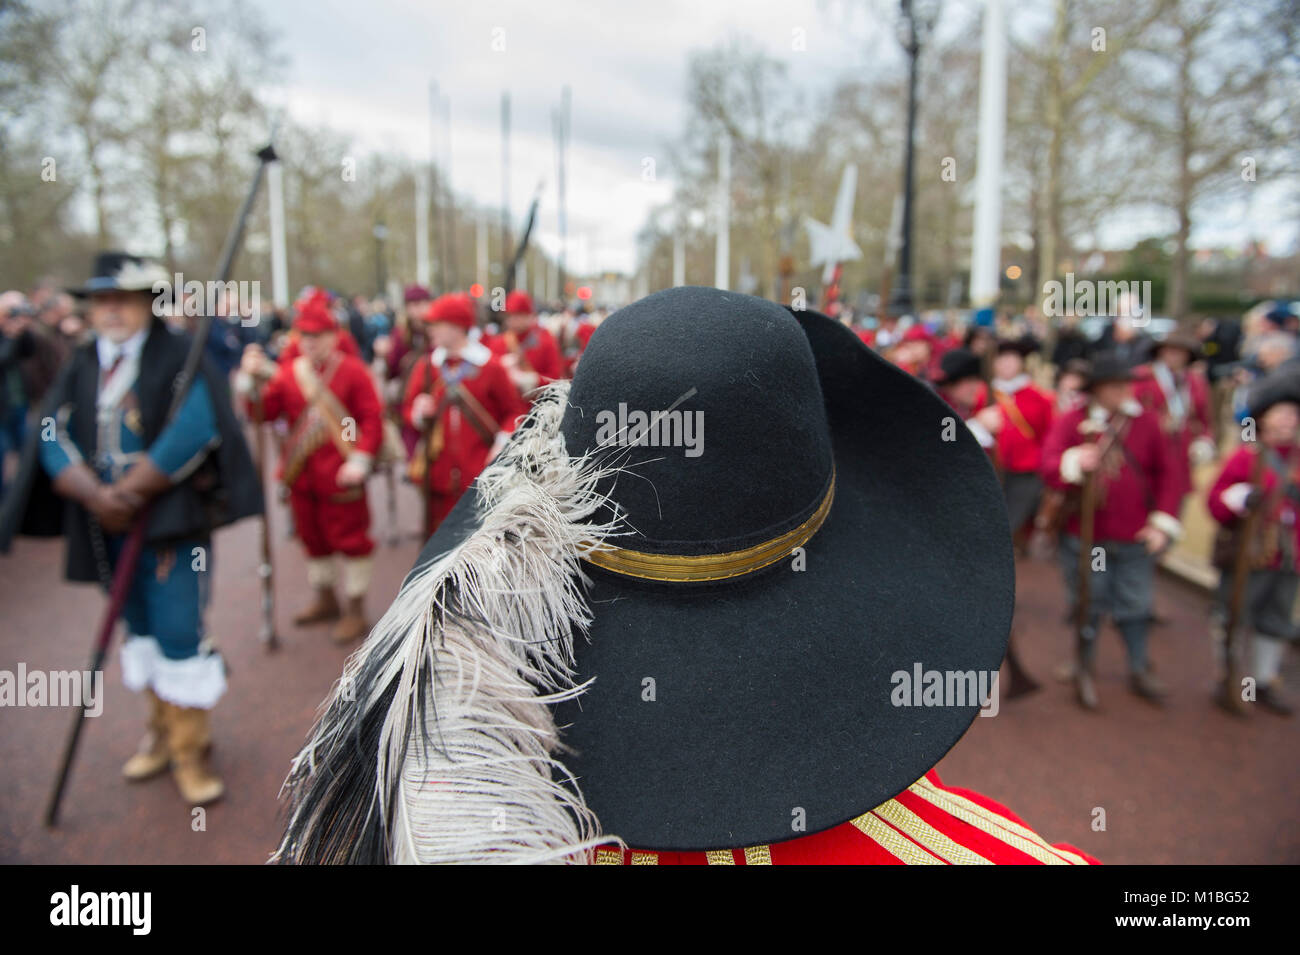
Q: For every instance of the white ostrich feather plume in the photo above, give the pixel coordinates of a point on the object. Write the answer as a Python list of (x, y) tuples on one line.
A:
[(438, 744)]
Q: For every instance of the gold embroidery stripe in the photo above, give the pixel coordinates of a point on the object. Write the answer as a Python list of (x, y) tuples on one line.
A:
[(645, 858), (677, 567), (758, 855), (904, 819), (968, 812), (893, 842), (1005, 823), (720, 857), (609, 857)]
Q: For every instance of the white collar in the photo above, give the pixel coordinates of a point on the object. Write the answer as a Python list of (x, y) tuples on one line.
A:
[(475, 353), (1011, 385), (1130, 408), (109, 351)]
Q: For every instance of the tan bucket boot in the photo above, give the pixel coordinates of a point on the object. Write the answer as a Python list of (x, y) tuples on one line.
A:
[(352, 625), (326, 607), (152, 757), (188, 740)]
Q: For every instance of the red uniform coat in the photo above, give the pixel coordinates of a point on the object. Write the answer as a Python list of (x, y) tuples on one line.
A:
[(1133, 485), (1238, 469), (927, 824), (1026, 419), (464, 450), (329, 518), (1194, 392), (293, 348), (539, 349)]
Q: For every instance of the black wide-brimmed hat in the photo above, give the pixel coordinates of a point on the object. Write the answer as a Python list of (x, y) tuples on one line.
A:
[(122, 272), (958, 364), (1279, 385), (1184, 341), (1023, 345), (802, 537), (1107, 367)]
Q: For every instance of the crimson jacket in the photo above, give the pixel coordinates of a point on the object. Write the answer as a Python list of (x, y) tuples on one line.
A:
[(1138, 485), (1026, 418), (929, 823), (1192, 391), (1238, 470)]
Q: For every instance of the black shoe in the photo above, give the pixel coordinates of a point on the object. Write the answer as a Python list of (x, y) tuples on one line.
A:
[(1271, 698), (1230, 703)]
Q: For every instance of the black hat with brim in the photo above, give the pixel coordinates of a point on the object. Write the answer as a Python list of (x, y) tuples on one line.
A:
[(122, 272), (1183, 341), (760, 708), (1108, 367), (958, 364), (1023, 345), (1277, 386)]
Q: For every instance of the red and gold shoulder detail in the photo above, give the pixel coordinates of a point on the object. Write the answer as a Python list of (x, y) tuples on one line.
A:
[(929, 823)]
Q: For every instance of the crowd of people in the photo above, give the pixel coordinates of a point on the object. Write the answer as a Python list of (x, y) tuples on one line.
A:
[(1143, 414), (1097, 445)]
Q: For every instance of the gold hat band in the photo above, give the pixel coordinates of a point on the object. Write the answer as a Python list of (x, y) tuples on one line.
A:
[(693, 567)]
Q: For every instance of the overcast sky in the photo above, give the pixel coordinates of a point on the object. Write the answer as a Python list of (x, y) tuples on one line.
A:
[(364, 67)]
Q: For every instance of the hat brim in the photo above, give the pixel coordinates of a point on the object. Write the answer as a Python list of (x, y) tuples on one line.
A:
[(99, 285), (773, 708)]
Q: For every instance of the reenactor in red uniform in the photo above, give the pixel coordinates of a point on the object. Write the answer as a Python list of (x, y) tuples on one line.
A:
[(1134, 518), (334, 415), (1026, 417), (1273, 493), (527, 351), (462, 401), (1179, 396), (525, 727), (915, 352), (960, 382)]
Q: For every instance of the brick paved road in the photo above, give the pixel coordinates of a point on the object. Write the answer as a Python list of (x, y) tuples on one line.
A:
[(1183, 784)]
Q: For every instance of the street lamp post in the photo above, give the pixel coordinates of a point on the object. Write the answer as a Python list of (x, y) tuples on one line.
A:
[(381, 277), (914, 26)]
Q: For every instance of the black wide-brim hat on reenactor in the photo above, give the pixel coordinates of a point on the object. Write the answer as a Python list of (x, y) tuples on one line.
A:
[(1281, 384), (122, 272), (685, 645), (1185, 341), (1107, 367), (958, 364), (1023, 345)]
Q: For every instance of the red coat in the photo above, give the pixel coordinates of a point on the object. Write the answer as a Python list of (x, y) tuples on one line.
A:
[(1133, 486), (1194, 391), (1026, 419), (464, 450), (1238, 469), (927, 824), (349, 381), (293, 348), (539, 348)]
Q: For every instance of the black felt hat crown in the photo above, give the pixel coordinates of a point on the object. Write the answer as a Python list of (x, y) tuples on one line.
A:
[(122, 272), (748, 632), (958, 364), (1108, 367)]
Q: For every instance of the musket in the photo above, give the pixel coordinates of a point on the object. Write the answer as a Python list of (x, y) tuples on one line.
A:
[(120, 584), (1240, 577), (1087, 524), (266, 569)]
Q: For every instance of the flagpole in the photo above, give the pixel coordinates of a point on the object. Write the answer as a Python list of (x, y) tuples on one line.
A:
[(986, 245)]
